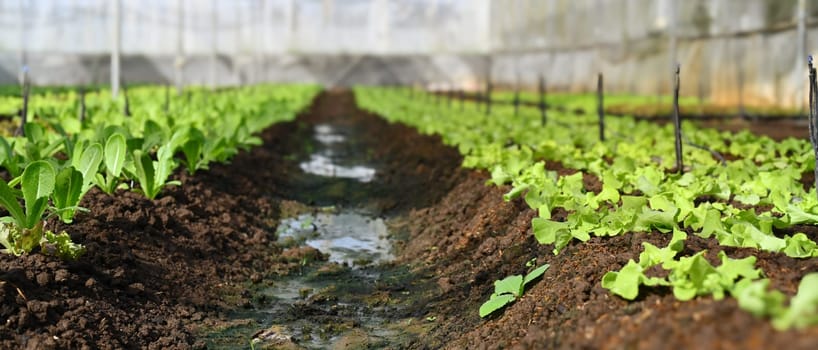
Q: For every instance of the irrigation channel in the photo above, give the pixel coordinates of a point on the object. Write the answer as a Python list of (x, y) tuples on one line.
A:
[(350, 293)]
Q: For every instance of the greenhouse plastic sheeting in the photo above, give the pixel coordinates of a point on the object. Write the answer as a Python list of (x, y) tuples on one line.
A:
[(246, 26), (729, 50)]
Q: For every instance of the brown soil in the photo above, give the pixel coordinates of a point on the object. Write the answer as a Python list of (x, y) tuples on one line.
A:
[(158, 273)]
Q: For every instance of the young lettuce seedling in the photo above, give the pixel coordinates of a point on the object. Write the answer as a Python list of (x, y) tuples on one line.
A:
[(114, 159), (39, 143), (23, 230), (67, 191), (74, 181), (87, 161), (9, 159), (193, 150), (152, 175), (509, 289)]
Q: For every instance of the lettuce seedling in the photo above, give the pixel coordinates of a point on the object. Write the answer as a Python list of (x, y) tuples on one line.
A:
[(627, 280), (114, 159), (9, 159), (200, 151), (40, 145), (152, 175), (803, 309), (67, 192), (37, 185), (87, 161), (509, 289), (23, 230), (74, 181), (193, 151), (60, 245)]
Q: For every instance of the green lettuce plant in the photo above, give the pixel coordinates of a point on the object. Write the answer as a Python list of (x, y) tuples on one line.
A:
[(114, 160), (509, 289), (24, 230), (10, 160), (39, 143), (152, 175), (74, 180)]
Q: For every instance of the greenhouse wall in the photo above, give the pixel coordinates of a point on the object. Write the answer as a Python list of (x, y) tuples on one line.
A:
[(730, 51)]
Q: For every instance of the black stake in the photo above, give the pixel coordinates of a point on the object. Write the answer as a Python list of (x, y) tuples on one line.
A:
[(543, 117), (600, 107), (127, 108), (677, 124), (488, 97), (813, 114), (24, 110), (740, 73), (478, 99), (167, 98), (516, 100), (82, 104)]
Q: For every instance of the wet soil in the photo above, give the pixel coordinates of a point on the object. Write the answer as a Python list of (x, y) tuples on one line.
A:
[(347, 182), (167, 273)]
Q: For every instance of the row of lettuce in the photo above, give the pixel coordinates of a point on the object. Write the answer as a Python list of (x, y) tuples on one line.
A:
[(645, 106), (67, 147), (741, 189)]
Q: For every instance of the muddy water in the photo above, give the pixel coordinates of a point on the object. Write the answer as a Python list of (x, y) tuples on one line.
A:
[(334, 158), (350, 238), (353, 296)]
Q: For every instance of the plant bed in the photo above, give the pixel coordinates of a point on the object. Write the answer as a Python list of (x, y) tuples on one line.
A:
[(515, 149), (190, 268), (568, 308)]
